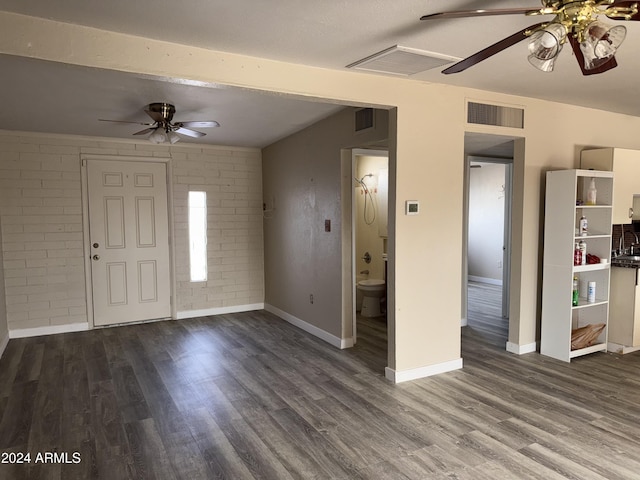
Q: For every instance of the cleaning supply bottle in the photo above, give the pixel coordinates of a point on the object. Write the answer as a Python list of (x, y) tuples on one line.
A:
[(577, 255), (584, 226), (576, 292), (583, 252), (592, 192)]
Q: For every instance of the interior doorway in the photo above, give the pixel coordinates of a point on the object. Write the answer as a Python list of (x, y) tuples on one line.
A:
[(487, 236), (369, 214)]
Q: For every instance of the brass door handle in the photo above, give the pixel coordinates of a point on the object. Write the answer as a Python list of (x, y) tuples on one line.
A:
[(96, 257)]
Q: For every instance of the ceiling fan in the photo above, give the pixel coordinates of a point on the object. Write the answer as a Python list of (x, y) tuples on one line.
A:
[(163, 129), (593, 42)]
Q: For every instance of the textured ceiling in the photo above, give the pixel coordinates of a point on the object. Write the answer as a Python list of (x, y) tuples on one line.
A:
[(330, 34)]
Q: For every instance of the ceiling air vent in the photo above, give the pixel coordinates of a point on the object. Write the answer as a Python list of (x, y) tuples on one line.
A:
[(485, 114), (364, 119), (403, 61)]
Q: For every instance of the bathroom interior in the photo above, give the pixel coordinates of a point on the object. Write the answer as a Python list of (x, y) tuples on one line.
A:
[(371, 173)]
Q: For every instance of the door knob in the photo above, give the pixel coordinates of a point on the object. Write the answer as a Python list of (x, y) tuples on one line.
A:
[(96, 257)]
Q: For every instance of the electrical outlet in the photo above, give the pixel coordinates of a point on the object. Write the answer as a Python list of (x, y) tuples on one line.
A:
[(311, 298)]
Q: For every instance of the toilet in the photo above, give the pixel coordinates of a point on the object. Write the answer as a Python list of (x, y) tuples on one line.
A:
[(373, 290)]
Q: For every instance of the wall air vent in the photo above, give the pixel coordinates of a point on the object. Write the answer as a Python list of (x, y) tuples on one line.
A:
[(500, 116), (364, 119), (403, 61)]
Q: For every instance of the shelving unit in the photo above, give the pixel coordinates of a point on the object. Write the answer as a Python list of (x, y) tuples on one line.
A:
[(566, 195)]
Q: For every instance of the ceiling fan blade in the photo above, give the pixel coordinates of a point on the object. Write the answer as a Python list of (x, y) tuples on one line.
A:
[(490, 50), (146, 130), (608, 65), (201, 124), (124, 121), (156, 116), (189, 132), (624, 4), (479, 13)]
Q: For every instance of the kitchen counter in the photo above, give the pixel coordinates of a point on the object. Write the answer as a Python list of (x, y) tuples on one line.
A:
[(626, 261)]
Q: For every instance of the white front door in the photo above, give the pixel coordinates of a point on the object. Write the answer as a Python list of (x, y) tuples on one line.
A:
[(129, 241)]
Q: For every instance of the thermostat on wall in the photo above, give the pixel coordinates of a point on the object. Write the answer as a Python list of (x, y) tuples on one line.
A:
[(412, 207)]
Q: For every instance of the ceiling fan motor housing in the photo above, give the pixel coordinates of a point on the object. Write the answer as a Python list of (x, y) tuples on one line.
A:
[(160, 111)]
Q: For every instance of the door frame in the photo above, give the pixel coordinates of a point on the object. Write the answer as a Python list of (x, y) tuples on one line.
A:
[(84, 158), (507, 233), (358, 152)]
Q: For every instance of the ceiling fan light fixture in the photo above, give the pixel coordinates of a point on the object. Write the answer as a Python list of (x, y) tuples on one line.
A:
[(546, 44), (542, 65), (601, 41), (173, 137), (158, 136)]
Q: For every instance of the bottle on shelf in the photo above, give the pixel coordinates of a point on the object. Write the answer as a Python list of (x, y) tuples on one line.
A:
[(576, 292), (592, 192), (591, 292), (584, 226), (577, 255), (583, 252)]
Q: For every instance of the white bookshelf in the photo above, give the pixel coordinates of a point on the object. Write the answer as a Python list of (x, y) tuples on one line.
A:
[(565, 190)]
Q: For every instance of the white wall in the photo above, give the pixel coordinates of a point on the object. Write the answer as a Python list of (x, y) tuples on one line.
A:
[(42, 234), (486, 221)]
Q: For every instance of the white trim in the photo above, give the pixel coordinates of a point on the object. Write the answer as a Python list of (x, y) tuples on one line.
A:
[(312, 329), (622, 349), (463, 322), (522, 349), (4, 343), (84, 179), (219, 311), (48, 330), (490, 281), (405, 375)]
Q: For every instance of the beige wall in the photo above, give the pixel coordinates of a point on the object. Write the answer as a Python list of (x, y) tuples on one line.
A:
[(425, 318), (42, 235), (302, 188)]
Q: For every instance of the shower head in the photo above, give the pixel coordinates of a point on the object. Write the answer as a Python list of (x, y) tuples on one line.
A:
[(365, 176)]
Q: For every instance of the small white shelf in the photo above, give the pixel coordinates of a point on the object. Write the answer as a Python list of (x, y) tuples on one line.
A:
[(591, 268), (583, 303), (599, 347), (559, 317)]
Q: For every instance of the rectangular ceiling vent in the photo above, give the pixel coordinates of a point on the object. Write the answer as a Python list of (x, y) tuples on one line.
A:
[(364, 119), (402, 61), (485, 114)]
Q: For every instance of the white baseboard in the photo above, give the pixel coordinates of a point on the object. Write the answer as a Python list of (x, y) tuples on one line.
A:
[(413, 374), (312, 329), (48, 330), (491, 281), (3, 344), (621, 349), (522, 349), (219, 311), (463, 322)]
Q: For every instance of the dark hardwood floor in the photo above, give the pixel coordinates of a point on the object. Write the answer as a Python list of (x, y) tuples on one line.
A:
[(484, 313), (247, 396)]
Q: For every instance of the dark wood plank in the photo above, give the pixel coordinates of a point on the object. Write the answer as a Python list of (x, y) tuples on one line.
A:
[(245, 396)]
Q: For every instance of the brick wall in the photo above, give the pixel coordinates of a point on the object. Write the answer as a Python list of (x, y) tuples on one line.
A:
[(42, 230), (232, 180)]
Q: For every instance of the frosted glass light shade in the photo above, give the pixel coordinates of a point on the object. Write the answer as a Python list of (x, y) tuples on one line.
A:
[(546, 44), (601, 41)]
